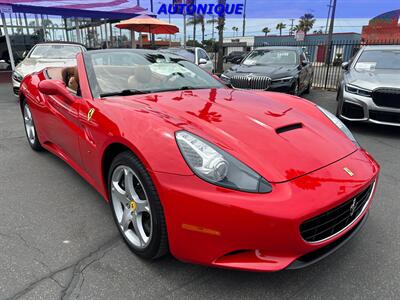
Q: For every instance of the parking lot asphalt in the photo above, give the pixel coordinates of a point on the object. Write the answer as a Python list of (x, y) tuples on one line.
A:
[(58, 239)]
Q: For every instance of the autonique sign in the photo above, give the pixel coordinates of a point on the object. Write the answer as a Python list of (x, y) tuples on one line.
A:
[(190, 7)]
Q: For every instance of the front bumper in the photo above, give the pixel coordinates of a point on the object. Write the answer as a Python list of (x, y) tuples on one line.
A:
[(353, 107), (214, 226), (285, 87)]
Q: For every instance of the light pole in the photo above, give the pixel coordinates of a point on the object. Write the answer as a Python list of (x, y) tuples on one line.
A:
[(244, 17), (330, 34), (329, 15)]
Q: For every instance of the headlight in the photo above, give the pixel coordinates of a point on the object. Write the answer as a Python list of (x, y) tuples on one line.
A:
[(357, 90), (17, 76), (225, 78), (214, 165), (282, 80), (339, 124)]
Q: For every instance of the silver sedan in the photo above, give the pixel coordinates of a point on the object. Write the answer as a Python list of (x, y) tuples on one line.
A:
[(369, 89), (54, 54)]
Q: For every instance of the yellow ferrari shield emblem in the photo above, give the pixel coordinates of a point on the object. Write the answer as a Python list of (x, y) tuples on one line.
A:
[(348, 171), (90, 114), (132, 205)]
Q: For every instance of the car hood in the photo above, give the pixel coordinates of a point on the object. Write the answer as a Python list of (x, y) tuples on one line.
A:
[(374, 79), (251, 127), (272, 71), (31, 65)]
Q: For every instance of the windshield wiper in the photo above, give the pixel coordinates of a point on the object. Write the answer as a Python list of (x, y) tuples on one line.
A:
[(126, 92)]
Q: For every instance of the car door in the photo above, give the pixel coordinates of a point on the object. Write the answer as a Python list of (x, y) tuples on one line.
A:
[(64, 128), (208, 66)]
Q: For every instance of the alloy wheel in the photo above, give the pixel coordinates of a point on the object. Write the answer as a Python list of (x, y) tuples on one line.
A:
[(131, 206), (29, 126)]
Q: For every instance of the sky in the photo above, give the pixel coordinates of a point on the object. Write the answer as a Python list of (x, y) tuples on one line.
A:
[(295, 8), (351, 15)]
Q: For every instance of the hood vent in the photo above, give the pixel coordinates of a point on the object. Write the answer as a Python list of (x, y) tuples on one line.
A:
[(288, 128)]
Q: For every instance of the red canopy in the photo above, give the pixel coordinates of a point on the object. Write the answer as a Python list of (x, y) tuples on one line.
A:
[(149, 24)]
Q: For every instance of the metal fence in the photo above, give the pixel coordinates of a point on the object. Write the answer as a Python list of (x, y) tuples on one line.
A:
[(327, 60)]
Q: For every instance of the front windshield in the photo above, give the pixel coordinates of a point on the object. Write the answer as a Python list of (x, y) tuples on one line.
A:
[(113, 72), (379, 59), (55, 51), (271, 57)]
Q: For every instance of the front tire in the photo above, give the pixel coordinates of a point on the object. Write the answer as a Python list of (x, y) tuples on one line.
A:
[(136, 207), (30, 129)]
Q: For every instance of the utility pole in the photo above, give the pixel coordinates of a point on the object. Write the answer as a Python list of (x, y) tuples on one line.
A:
[(291, 27), (140, 34), (153, 43), (328, 52), (213, 27), (328, 18), (194, 25), (244, 18), (184, 29), (330, 33)]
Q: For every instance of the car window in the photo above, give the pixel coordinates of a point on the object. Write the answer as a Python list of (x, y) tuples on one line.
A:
[(202, 54), (186, 53), (379, 59), (55, 51), (271, 57), (115, 71)]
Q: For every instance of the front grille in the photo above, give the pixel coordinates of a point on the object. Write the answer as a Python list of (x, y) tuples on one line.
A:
[(352, 111), (384, 116), (16, 90), (337, 219), (253, 82), (386, 97)]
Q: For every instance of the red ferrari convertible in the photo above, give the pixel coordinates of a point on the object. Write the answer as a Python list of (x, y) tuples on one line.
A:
[(250, 180)]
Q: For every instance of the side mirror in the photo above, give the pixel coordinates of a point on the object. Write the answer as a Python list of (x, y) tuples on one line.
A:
[(304, 63), (24, 54), (202, 61), (345, 66), (55, 87)]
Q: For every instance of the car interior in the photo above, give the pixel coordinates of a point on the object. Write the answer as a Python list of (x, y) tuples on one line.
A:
[(68, 75)]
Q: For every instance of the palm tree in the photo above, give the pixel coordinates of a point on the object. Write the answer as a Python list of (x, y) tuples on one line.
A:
[(266, 30), (280, 27), (212, 21), (202, 22), (221, 26), (197, 19), (235, 30), (306, 22)]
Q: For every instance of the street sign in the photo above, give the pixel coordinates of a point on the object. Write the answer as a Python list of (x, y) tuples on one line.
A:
[(300, 36), (6, 9)]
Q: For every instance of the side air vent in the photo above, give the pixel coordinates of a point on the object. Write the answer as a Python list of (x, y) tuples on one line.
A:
[(288, 128)]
